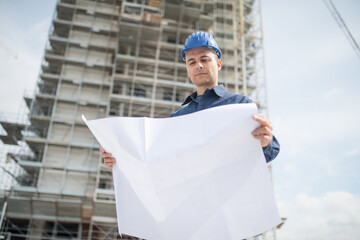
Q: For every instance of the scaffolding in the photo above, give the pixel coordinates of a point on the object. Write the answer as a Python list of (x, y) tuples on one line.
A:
[(112, 58)]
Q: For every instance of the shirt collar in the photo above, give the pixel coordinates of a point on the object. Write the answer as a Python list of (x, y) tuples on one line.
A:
[(190, 98), (219, 90)]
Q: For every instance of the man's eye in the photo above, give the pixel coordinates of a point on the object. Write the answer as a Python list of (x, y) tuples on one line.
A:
[(191, 63)]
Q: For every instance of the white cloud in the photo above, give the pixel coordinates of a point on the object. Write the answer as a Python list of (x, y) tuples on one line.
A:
[(289, 168), (332, 93), (334, 215), (316, 143), (319, 125), (352, 152)]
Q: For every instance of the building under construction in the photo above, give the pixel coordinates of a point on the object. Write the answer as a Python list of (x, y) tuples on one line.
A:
[(112, 58)]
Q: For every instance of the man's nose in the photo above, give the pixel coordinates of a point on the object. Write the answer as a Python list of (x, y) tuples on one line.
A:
[(199, 65)]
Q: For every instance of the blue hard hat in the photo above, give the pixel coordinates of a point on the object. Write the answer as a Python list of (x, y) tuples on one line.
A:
[(200, 39)]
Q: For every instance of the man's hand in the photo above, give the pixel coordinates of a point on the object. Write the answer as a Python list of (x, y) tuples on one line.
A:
[(109, 160), (264, 132)]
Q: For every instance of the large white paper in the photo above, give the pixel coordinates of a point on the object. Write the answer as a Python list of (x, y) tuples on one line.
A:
[(198, 176)]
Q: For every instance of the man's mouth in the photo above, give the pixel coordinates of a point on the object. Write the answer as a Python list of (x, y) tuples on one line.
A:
[(201, 73)]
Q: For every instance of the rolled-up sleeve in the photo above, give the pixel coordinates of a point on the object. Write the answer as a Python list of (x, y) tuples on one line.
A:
[(272, 150)]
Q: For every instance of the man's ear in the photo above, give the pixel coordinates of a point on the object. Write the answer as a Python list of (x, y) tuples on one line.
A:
[(218, 64)]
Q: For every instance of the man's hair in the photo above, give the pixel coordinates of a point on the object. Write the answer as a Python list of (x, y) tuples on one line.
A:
[(215, 53)]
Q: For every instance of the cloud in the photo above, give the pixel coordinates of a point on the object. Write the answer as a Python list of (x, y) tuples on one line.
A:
[(335, 215), (289, 168), (352, 152), (315, 145), (332, 93), (322, 124)]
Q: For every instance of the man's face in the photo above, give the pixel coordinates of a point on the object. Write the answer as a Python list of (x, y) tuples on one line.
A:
[(202, 67)]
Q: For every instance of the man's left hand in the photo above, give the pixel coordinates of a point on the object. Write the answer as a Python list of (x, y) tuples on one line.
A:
[(264, 131)]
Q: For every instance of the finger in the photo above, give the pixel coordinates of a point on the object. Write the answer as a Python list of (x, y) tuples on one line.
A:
[(262, 120), (108, 165), (109, 160), (102, 149), (106, 155), (265, 140), (262, 137), (262, 131)]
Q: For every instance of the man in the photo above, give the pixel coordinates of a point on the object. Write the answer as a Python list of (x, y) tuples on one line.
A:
[(202, 57)]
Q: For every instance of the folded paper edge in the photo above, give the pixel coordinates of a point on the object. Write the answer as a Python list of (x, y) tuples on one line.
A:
[(84, 118)]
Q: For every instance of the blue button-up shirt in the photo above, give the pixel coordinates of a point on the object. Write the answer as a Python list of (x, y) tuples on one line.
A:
[(219, 96)]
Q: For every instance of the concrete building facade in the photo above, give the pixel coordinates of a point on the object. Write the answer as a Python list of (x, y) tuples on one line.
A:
[(112, 58)]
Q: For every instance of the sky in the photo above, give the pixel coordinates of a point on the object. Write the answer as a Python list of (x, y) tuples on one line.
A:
[(313, 79)]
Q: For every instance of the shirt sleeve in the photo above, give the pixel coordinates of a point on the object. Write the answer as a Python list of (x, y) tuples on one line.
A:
[(271, 150)]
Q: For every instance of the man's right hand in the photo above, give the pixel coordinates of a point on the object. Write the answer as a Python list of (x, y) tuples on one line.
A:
[(109, 160)]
